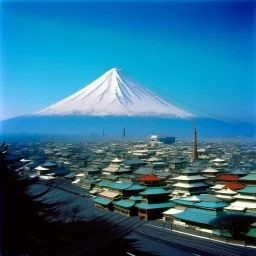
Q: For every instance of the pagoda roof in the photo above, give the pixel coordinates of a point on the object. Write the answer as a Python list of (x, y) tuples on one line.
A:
[(218, 160), (149, 177), (135, 198), (210, 170), (124, 203), (48, 164), (218, 186), (154, 206), (120, 185), (198, 215), (234, 185), (248, 190), (101, 200), (249, 177), (154, 191), (247, 165), (190, 185), (61, 171), (144, 170), (135, 187), (227, 192), (181, 201), (194, 177), (228, 177), (212, 205), (133, 161), (239, 172)]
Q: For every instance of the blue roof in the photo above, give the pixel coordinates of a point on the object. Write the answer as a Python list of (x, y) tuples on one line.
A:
[(214, 205), (49, 164), (111, 177), (104, 183), (133, 161), (249, 177), (238, 172), (143, 170), (249, 190), (70, 175), (155, 206), (61, 172), (154, 191), (198, 215), (120, 185), (184, 202), (135, 187), (247, 165), (101, 200), (124, 203), (135, 198)]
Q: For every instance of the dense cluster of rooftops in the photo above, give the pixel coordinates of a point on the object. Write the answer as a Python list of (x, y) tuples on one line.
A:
[(151, 179)]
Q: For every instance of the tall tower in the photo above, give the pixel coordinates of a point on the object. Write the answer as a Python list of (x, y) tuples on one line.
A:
[(123, 132), (195, 153), (103, 133)]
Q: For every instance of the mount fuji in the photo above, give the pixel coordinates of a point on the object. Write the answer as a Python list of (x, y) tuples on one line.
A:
[(115, 101), (114, 94)]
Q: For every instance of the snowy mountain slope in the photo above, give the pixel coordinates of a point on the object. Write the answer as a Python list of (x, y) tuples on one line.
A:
[(114, 94)]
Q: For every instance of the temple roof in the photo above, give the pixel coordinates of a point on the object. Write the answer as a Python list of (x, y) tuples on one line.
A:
[(154, 206), (154, 191), (228, 177), (234, 185), (124, 203), (248, 190), (249, 177), (149, 177), (101, 200)]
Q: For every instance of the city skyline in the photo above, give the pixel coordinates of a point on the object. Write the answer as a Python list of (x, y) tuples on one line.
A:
[(197, 55)]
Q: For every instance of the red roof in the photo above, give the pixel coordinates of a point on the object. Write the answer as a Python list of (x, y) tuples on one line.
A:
[(234, 186), (228, 177), (149, 177)]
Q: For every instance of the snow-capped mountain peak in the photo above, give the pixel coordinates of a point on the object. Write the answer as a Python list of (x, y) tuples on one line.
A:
[(114, 94)]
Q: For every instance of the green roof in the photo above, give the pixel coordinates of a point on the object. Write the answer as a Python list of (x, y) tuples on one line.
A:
[(124, 203), (183, 202), (135, 198), (104, 183), (120, 185), (154, 191), (155, 206), (101, 200), (251, 232), (111, 177), (213, 205), (198, 215), (249, 177), (249, 190), (135, 187)]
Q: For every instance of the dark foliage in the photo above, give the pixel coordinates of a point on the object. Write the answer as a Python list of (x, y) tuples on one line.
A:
[(33, 226), (236, 224)]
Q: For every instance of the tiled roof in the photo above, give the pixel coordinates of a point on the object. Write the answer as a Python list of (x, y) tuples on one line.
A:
[(249, 177), (198, 215), (249, 190), (155, 206), (234, 185), (154, 191), (135, 187), (214, 205), (149, 177), (228, 177), (124, 203), (101, 200)]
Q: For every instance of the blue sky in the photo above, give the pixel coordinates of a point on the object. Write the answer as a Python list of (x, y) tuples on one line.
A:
[(198, 55)]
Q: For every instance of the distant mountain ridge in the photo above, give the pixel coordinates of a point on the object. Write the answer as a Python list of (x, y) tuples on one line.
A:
[(115, 94)]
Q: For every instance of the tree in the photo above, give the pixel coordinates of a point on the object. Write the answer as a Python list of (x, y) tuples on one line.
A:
[(234, 223)]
